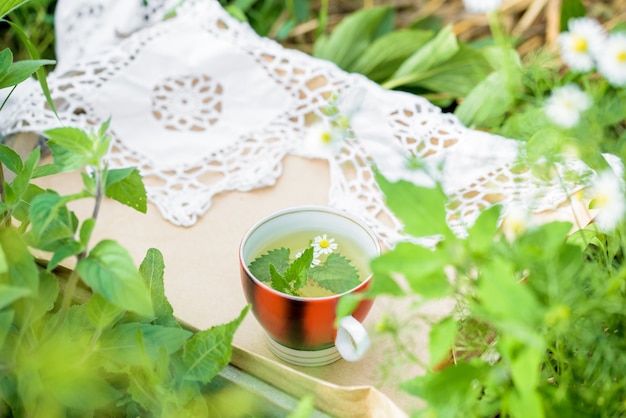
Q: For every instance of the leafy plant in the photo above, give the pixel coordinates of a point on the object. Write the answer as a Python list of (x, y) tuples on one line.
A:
[(13, 73), (275, 18), (538, 319), (118, 349), (420, 59)]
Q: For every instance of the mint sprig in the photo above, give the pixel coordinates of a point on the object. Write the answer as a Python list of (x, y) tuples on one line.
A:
[(336, 273)]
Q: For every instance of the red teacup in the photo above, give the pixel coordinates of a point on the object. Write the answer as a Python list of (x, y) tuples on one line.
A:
[(301, 330)]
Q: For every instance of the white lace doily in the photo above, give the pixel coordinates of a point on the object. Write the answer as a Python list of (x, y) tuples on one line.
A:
[(202, 105)]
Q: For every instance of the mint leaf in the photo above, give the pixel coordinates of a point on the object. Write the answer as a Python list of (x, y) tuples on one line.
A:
[(298, 271), (208, 351), (110, 271), (126, 186), (72, 148), (10, 159), (101, 313), (152, 269), (336, 274), (53, 224), (260, 267), (280, 283)]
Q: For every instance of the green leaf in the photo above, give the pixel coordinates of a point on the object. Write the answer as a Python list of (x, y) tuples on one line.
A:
[(25, 175), (544, 242), (22, 269), (34, 53), (10, 159), (45, 170), (353, 35), (109, 270), (280, 283), (47, 294), (487, 102), (21, 212), (126, 186), (86, 230), (63, 252), (434, 53), (456, 76), (441, 341), (260, 267), (298, 271), (152, 270), (523, 125), (101, 313), (379, 61), (7, 6), (422, 268), (422, 210), (449, 390), (507, 303), (6, 319), (481, 234), (4, 265), (571, 9), (9, 294), (208, 351), (336, 274), (71, 148), (52, 223), (119, 343), (21, 70)]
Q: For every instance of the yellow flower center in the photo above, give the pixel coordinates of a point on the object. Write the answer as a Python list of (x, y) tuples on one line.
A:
[(621, 56), (580, 44), (326, 137), (324, 243), (601, 200)]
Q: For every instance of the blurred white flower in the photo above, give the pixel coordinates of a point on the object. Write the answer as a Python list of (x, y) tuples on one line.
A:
[(482, 6), (566, 104), (607, 195), (582, 43), (612, 61), (516, 221), (322, 140)]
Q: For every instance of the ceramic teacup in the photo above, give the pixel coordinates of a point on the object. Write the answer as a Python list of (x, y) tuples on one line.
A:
[(301, 330)]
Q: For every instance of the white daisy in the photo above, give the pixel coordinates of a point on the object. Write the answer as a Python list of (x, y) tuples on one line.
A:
[(612, 61), (516, 221), (581, 43), (566, 104), (482, 6), (607, 194), (324, 245), (322, 140)]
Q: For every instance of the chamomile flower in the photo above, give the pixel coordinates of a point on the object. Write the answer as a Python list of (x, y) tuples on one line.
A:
[(516, 221), (482, 6), (322, 139), (581, 43), (612, 61), (607, 194), (324, 245), (566, 104)]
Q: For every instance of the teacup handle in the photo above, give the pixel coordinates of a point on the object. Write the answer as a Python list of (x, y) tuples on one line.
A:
[(352, 340)]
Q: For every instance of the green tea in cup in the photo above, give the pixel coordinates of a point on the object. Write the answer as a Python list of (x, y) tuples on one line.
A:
[(310, 263)]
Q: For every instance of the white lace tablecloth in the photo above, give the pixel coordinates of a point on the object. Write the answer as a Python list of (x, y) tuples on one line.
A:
[(202, 105)]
